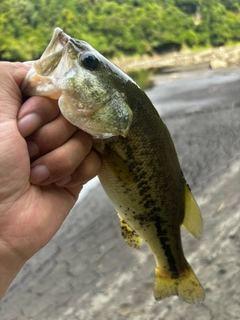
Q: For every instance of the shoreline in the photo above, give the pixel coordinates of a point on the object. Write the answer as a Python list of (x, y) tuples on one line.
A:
[(214, 58)]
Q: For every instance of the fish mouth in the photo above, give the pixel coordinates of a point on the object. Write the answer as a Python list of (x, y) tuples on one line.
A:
[(59, 40), (42, 76)]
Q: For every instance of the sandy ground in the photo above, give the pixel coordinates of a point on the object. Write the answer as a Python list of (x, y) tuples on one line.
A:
[(88, 272)]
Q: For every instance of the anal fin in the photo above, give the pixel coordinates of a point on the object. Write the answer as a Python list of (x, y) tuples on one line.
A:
[(129, 234)]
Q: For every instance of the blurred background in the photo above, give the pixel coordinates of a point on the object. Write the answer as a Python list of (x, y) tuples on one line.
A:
[(118, 28), (186, 55)]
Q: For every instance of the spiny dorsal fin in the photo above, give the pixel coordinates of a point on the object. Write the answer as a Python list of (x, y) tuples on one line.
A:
[(129, 234), (192, 218)]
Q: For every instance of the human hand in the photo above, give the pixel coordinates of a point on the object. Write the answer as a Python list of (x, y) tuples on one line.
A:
[(36, 196)]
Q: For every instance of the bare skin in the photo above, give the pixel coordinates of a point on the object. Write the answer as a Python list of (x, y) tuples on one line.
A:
[(36, 196)]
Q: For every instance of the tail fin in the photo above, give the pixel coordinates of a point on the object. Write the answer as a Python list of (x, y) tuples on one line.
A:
[(187, 286)]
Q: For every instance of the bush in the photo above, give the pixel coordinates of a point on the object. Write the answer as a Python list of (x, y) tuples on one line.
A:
[(132, 27)]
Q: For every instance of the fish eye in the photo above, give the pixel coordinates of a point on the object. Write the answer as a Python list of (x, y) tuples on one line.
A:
[(89, 61)]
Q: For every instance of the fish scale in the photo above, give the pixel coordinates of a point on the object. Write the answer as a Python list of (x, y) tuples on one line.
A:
[(149, 190), (140, 169)]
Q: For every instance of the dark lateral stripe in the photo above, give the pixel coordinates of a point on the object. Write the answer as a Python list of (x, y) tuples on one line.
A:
[(164, 241)]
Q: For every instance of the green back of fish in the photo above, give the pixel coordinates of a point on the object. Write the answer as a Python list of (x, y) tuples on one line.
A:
[(142, 176), (141, 172)]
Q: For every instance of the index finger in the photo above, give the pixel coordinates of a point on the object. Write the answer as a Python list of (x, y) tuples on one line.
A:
[(18, 70), (11, 76)]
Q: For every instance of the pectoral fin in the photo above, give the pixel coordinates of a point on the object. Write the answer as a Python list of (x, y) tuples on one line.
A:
[(129, 234), (192, 219)]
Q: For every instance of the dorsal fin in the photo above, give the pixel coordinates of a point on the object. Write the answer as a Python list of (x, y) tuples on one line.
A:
[(192, 218)]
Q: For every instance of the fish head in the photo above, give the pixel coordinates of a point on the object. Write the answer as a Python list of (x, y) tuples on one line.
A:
[(88, 87)]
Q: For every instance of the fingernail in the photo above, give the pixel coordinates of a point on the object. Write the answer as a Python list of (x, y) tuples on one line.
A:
[(63, 181), (28, 124), (39, 174), (33, 149)]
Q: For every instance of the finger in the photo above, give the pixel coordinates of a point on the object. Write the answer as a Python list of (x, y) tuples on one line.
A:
[(34, 113), (11, 75), (18, 71), (87, 170), (62, 161), (50, 136)]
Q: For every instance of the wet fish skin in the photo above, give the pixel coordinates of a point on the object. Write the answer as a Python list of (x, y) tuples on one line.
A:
[(149, 191), (140, 172)]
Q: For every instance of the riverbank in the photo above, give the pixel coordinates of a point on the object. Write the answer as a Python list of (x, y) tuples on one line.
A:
[(221, 57)]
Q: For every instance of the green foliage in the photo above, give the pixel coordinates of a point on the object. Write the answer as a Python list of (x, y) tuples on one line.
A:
[(203, 30), (121, 27), (232, 5), (234, 26), (188, 6), (177, 24)]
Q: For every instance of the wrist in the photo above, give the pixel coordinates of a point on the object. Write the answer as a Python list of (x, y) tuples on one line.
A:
[(10, 264)]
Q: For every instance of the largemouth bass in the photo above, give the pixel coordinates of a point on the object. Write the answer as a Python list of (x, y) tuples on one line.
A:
[(140, 172)]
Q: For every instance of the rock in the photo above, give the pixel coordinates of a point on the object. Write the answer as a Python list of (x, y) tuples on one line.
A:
[(217, 63)]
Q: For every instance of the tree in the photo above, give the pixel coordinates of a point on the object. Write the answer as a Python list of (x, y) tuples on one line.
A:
[(188, 6), (232, 5), (233, 23), (219, 29), (172, 26), (130, 27)]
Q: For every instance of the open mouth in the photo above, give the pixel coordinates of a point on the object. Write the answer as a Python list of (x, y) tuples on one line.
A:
[(58, 42), (44, 72)]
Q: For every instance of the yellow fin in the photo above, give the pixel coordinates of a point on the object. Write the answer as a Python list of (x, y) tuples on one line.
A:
[(192, 218), (129, 234), (187, 286)]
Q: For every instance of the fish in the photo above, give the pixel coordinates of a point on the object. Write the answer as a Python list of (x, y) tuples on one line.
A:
[(140, 170)]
